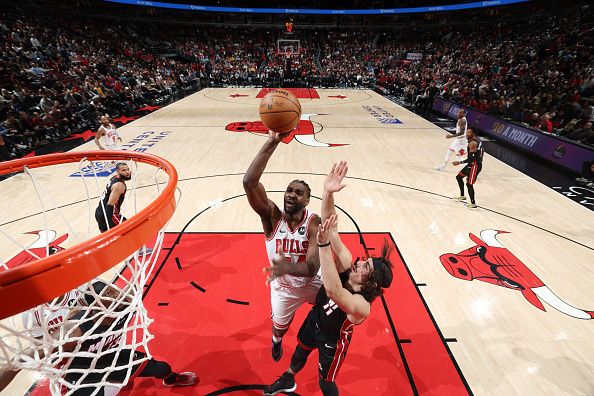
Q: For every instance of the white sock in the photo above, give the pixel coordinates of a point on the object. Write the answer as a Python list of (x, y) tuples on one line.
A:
[(447, 158), (276, 340)]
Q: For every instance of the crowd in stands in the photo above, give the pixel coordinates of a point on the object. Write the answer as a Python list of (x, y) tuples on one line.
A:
[(58, 80), (541, 76), (57, 76)]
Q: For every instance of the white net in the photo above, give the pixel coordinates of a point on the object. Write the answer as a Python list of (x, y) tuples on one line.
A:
[(95, 336)]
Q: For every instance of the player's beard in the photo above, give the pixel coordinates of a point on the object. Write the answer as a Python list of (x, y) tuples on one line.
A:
[(293, 209), (125, 177)]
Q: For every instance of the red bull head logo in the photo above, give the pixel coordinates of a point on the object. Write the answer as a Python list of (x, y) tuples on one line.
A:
[(46, 241), (304, 133), (488, 261)]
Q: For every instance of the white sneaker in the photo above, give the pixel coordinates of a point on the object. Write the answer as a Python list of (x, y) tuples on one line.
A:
[(440, 168), (145, 251), (460, 198)]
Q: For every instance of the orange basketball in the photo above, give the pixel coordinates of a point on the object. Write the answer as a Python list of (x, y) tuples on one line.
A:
[(280, 111)]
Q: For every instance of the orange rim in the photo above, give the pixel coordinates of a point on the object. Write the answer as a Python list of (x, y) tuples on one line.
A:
[(42, 280)]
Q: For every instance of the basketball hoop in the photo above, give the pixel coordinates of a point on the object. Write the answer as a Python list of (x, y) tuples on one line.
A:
[(288, 47), (42, 284)]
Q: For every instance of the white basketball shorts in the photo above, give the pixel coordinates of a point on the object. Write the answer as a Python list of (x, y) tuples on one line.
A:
[(285, 300)]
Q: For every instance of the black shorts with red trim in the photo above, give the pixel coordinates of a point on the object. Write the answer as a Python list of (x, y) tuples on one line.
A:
[(471, 171), (100, 217), (115, 376), (331, 352)]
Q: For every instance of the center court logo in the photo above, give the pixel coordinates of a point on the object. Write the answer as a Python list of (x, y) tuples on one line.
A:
[(489, 261), (141, 143), (305, 132)]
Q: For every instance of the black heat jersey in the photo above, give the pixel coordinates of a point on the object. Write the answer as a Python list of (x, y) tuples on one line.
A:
[(95, 338), (107, 193), (474, 164), (99, 339), (332, 320), (117, 217), (477, 156)]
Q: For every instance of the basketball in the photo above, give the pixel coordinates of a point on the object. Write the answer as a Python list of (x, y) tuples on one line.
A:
[(280, 111)]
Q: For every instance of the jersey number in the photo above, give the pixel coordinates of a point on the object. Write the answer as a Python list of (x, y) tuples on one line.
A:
[(330, 307)]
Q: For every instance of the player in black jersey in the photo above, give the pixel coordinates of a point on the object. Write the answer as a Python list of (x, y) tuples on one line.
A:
[(343, 302), (108, 213), (474, 165), (95, 339)]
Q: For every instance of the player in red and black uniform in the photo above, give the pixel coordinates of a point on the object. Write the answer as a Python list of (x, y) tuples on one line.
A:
[(103, 375), (108, 336), (474, 165), (108, 213), (343, 302)]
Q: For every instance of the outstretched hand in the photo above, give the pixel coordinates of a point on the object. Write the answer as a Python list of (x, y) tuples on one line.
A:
[(326, 228), (333, 182), (278, 267)]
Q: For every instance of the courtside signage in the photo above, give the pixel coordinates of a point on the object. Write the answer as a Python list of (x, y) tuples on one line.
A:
[(380, 11), (381, 115), (141, 143)]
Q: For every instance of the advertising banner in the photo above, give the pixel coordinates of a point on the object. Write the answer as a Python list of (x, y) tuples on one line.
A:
[(568, 154)]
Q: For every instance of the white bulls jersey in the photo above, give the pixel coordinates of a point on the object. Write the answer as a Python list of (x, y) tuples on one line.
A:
[(459, 144), (110, 137), (44, 319), (294, 243), (463, 129)]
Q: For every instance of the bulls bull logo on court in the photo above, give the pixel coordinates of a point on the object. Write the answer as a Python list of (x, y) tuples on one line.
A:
[(490, 262), (304, 133), (37, 249)]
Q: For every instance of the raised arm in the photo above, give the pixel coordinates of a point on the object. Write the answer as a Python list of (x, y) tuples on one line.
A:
[(353, 305), (332, 184), (255, 191)]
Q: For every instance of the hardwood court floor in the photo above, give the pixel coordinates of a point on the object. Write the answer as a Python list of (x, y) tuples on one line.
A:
[(500, 340)]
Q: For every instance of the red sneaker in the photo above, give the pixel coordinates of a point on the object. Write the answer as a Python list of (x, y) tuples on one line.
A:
[(186, 378)]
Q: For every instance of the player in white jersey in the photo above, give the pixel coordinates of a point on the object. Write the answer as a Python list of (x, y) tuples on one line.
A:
[(290, 244), (48, 320), (107, 137), (458, 146)]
